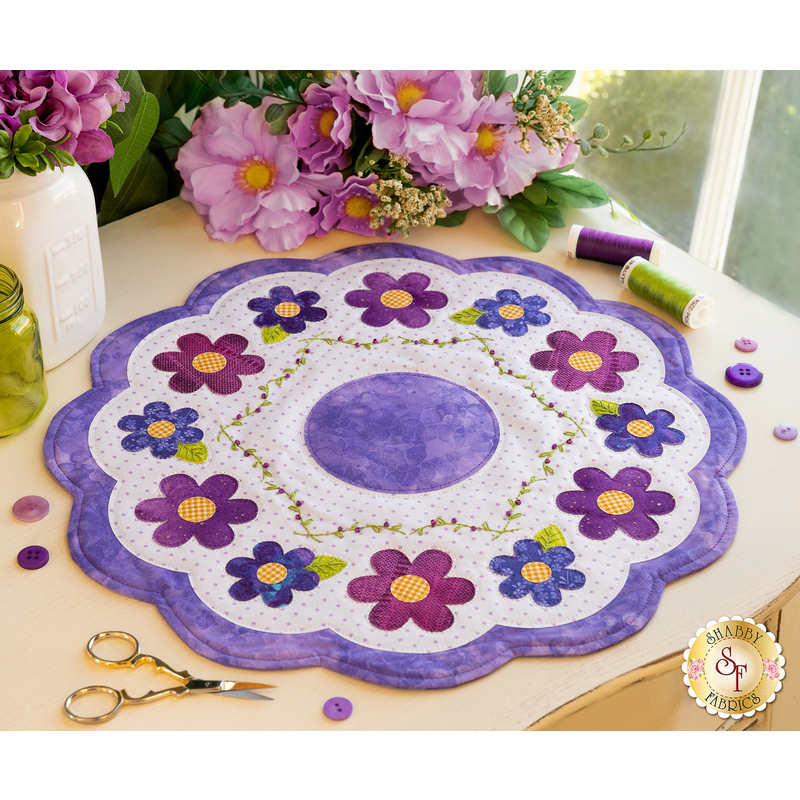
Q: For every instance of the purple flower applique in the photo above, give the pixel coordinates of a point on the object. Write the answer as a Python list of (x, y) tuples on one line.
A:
[(511, 312), (289, 310), (589, 360), (160, 429), (320, 130), (537, 572), (272, 574), (404, 300), (619, 503), (417, 590), (205, 511), (349, 208), (218, 365), (633, 427)]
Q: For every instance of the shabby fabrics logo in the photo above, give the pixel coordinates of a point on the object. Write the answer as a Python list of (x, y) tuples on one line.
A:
[(733, 667)]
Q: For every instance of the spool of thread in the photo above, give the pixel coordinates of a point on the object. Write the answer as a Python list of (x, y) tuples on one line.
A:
[(664, 292), (611, 248)]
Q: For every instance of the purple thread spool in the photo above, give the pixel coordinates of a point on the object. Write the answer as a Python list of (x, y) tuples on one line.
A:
[(611, 248)]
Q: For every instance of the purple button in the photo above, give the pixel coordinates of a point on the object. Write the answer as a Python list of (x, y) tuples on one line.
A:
[(746, 345), (33, 557), (338, 708), (745, 375), (786, 432), (31, 508)]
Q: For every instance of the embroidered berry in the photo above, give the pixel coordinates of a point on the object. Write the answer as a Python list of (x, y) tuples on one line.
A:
[(433, 523), (236, 441), (358, 344), (280, 491), (473, 528), (416, 341), (547, 461), (341, 338), (491, 352), (518, 502), (524, 483), (340, 529), (436, 341), (569, 441), (533, 394), (299, 503), (497, 363), (386, 524), (308, 351), (508, 513), (374, 341), (263, 397), (258, 410), (550, 405), (553, 446), (238, 416), (453, 521), (286, 376), (297, 516), (510, 372), (454, 340), (357, 530), (297, 361), (560, 413)]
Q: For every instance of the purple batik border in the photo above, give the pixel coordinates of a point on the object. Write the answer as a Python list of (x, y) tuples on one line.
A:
[(95, 548)]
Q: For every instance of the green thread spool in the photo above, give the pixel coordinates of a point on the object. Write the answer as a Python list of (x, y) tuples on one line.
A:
[(664, 292)]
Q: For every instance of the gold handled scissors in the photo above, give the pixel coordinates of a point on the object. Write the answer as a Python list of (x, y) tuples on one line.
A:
[(188, 685)]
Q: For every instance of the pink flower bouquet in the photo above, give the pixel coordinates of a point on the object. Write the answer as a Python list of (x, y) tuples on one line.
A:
[(379, 152)]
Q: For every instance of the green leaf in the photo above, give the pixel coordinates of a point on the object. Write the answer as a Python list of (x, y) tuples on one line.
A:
[(496, 82), (193, 453), (130, 82), (273, 335), (467, 316), (326, 566), (572, 191), (536, 193), (129, 151), (560, 77), (553, 215), (600, 407), (156, 81), (147, 185), (577, 106), (453, 219), (22, 135), (170, 136), (550, 536), (521, 219), (273, 112)]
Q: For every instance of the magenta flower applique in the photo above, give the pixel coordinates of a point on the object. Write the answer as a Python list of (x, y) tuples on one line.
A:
[(619, 503), (218, 365), (320, 130), (241, 179), (416, 590), (589, 360), (205, 512), (349, 207), (404, 300)]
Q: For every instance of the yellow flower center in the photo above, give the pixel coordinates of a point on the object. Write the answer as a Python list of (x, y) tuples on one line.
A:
[(271, 573), (585, 361), (489, 141), (358, 206), (161, 429), (536, 572), (410, 588), (639, 427), (209, 362), (510, 311), (615, 502), (256, 175), (325, 122), (408, 93), (396, 298), (287, 309), (196, 509)]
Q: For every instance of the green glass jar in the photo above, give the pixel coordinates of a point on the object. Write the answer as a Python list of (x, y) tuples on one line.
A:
[(23, 391)]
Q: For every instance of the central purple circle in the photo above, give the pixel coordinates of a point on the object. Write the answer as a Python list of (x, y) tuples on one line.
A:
[(401, 432)]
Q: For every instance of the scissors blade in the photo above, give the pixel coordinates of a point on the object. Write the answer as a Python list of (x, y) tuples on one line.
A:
[(245, 694), (235, 686)]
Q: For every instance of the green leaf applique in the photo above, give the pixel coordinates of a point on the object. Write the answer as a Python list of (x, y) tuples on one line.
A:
[(550, 536), (467, 316), (274, 334), (326, 566), (193, 453), (600, 407)]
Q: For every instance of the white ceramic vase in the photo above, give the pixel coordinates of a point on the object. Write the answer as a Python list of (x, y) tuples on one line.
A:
[(49, 238)]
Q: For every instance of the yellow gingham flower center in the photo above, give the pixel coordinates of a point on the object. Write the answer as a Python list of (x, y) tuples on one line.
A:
[(196, 509), (358, 207), (585, 361), (396, 298), (271, 573), (410, 588), (209, 362), (536, 572), (639, 427), (615, 502), (160, 429), (510, 311), (408, 93), (325, 122), (287, 309)]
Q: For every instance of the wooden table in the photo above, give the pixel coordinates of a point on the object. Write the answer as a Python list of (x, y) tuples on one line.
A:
[(153, 260)]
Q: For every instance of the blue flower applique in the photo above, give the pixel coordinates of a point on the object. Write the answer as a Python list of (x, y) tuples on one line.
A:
[(631, 426), (537, 571), (272, 574), (511, 312), (286, 310), (162, 430)]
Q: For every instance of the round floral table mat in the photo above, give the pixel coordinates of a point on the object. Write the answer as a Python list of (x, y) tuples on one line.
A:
[(396, 465)]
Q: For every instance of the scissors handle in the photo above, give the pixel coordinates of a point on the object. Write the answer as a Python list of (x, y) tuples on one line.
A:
[(134, 659), (122, 697)]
